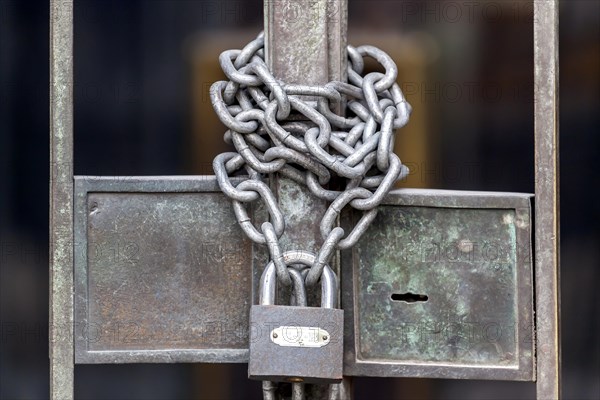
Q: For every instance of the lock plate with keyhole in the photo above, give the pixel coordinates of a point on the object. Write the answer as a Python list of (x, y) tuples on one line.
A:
[(441, 286)]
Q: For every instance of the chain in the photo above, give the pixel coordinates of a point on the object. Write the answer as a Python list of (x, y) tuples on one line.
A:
[(357, 150)]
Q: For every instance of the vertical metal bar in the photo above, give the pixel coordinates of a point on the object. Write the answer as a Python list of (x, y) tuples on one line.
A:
[(305, 43), (547, 232), (61, 200), (305, 40)]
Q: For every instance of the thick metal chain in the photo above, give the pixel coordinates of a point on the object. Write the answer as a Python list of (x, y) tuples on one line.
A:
[(358, 149)]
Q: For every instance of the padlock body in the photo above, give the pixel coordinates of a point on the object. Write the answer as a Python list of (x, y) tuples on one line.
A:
[(292, 343)]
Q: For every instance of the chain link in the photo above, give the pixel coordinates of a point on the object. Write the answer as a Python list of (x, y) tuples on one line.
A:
[(358, 148)]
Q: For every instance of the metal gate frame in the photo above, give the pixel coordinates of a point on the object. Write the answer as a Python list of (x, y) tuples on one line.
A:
[(547, 261)]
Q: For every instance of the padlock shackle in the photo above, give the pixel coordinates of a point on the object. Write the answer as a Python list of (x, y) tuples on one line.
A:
[(268, 285), (268, 289), (298, 287), (268, 280), (328, 288)]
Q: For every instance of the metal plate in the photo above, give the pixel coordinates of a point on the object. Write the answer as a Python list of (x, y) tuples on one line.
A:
[(162, 272), (441, 286)]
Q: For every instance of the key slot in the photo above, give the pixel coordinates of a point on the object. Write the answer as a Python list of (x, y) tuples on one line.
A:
[(409, 297)]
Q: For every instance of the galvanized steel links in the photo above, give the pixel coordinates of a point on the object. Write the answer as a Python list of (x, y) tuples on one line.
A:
[(356, 148)]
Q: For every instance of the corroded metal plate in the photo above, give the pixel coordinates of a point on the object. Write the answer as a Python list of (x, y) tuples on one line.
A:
[(441, 286), (162, 272)]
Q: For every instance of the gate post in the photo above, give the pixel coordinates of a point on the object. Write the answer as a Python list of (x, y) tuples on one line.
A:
[(547, 218), (305, 43), (61, 200)]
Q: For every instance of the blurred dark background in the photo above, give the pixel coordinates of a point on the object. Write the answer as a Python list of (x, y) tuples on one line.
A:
[(142, 71)]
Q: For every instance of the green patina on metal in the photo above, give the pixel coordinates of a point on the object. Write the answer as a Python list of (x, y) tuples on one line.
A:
[(463, 261)]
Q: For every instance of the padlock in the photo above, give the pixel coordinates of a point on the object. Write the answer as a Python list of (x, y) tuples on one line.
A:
[(295, 343)]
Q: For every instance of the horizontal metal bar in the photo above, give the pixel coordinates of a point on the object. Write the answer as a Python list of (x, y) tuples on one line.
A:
[(216, 356), (152, 184), (456, 198), (156, 282)]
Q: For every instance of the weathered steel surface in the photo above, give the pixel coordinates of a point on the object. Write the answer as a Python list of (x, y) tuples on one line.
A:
[(61, 200), (305, 42), (302, 212), (547, 229), (162, 272), (272, 362), (441, 286)]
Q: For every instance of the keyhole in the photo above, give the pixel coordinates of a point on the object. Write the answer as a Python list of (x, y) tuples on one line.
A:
[(410, 297)]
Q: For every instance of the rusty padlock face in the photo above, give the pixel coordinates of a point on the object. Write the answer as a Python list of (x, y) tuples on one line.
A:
[(296, 343)]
